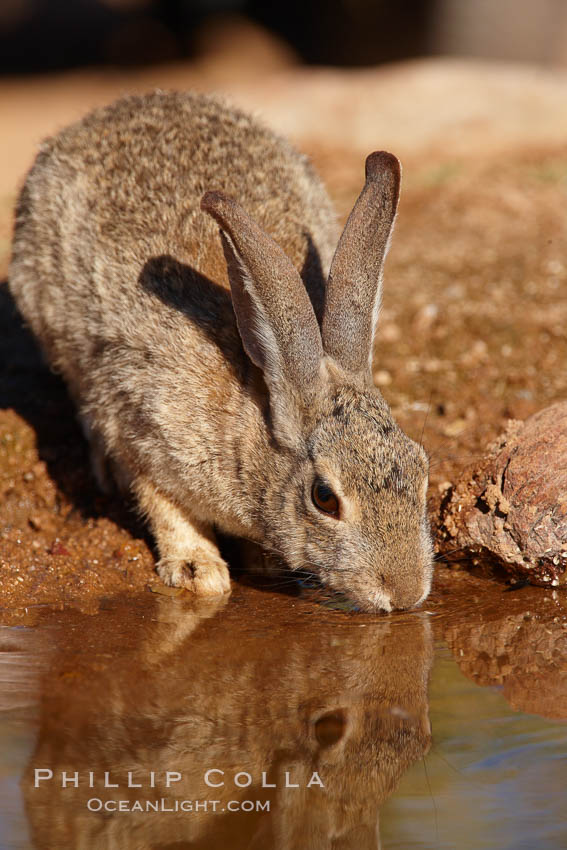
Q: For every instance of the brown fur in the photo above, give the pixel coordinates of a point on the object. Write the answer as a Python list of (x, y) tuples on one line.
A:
[(124, 281)]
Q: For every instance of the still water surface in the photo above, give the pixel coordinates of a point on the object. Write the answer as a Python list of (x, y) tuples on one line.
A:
[(444, 728)]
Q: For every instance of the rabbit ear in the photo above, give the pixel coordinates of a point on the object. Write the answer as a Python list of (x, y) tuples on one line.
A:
[(354, 287), (273, 311)]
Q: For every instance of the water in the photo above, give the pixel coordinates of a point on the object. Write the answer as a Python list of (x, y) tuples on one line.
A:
[(271, 721)]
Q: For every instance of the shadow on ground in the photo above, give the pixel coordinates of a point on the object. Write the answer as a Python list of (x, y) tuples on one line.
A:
[(39, 396)]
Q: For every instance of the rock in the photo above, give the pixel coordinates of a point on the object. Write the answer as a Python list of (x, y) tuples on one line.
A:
[(511, 509)]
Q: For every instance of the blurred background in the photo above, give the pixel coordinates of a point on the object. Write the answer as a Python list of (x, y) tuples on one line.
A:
[(44, 35)]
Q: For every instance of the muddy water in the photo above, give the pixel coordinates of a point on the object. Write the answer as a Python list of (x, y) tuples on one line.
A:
[(271, 720)]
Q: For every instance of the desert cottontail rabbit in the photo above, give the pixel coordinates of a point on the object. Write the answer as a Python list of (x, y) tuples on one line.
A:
[(223, 378)]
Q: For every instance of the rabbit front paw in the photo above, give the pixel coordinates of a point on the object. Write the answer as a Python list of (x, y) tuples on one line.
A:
[(203, 575)]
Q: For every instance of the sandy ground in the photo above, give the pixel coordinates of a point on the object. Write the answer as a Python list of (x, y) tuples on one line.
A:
[(475, 308)]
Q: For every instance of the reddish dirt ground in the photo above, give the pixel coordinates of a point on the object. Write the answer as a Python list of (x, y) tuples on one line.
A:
[(472, 333)]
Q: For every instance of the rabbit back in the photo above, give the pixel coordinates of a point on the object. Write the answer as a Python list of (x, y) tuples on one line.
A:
[(111, 248)]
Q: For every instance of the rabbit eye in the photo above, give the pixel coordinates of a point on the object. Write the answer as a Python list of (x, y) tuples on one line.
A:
[(330, 728), (324, 499)]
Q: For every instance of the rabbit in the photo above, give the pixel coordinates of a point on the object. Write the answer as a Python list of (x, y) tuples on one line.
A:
[(176, 261)]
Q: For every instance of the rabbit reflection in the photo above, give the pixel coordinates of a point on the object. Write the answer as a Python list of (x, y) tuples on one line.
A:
[(329, 697)]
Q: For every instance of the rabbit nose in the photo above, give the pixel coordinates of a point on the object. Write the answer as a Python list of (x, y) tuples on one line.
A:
[(382, 600), (405, 599)]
